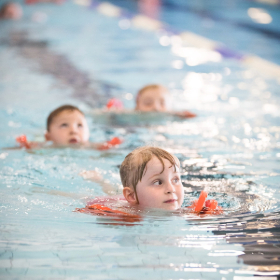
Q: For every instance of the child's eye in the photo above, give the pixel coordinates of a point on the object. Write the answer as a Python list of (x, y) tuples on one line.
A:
[(80, 125), (148, 103), (176, 180), (64, 125), (157, 182)]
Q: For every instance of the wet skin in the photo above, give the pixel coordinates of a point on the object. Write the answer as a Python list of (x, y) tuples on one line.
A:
[(68, 128), (159, 189), (152, 100)]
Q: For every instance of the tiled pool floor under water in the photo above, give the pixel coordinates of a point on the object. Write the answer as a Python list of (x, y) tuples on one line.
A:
[(75, 54)]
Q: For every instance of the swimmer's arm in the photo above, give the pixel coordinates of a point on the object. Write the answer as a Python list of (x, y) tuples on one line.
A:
[(95, 176), (30, 146), (183, 114), (97, 146), (37, 145), (56, 192), (24, 143), (105, 111), (115, 141)]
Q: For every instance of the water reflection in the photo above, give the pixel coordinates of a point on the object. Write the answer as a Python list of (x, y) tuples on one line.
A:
[(259, 15), (259, 235), (231, 150)]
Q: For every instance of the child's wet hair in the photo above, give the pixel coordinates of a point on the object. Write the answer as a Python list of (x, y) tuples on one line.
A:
[(4, 8), (134, 165), (59, 110), (147, 87)]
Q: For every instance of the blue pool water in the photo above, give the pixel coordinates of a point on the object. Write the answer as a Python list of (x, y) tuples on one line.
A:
[(74, 54)]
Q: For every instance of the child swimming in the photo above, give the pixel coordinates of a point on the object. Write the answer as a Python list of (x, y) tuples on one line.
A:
[(150, 105), (154, 98), (10, 10), (151, 180), (67, 126)]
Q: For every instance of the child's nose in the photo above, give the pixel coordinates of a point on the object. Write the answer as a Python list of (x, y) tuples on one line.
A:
[(156, 107), (170, 188), (74, 128)]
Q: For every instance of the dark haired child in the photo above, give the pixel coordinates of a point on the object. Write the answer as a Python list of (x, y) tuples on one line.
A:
[(67, 126), (10, 10)]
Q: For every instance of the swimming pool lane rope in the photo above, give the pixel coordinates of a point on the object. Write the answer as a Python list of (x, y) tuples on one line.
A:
[(141, 21)]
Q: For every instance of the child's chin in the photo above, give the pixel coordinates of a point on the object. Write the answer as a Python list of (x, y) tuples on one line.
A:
[(74, 142), (171, 207), (67, 144)]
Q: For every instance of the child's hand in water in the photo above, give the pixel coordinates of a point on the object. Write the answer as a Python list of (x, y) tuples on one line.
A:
[(91, 175), (22, 140), (96, 176), (185, 114)]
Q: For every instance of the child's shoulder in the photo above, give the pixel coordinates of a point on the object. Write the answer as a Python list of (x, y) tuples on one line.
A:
[(115, 207)]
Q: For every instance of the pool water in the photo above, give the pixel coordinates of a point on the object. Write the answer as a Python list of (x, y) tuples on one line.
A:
[(75, 54)]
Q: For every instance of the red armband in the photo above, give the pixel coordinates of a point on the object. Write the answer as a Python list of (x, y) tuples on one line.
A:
[(212, 207), (204, 206), (114, 103), (101, 210), (200, 202), (22, 140), (187, 114), (211, 204), (111, 143)]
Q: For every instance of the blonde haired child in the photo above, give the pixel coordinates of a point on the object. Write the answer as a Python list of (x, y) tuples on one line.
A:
[(151, 178), (150, 98)]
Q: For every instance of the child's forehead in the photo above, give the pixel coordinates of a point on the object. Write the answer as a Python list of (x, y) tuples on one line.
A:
[(155, 165), (69, 113), (158, 90)]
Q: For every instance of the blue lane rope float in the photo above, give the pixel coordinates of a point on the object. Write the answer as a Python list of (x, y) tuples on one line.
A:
[(141, 21)]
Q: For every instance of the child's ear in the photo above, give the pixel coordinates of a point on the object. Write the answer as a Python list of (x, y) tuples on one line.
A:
[(130, 195), (47, 136)]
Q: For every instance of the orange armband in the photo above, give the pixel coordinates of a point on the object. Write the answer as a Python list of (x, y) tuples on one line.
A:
[(101, 210), (114, 103), (110, 144), (212, 207), (22, 140), (198, 205), (204, 206), (186, 114)]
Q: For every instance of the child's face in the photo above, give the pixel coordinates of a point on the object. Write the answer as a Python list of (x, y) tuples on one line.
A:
[(152, 100), (160, 190), (13, 11), (69, 127)]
